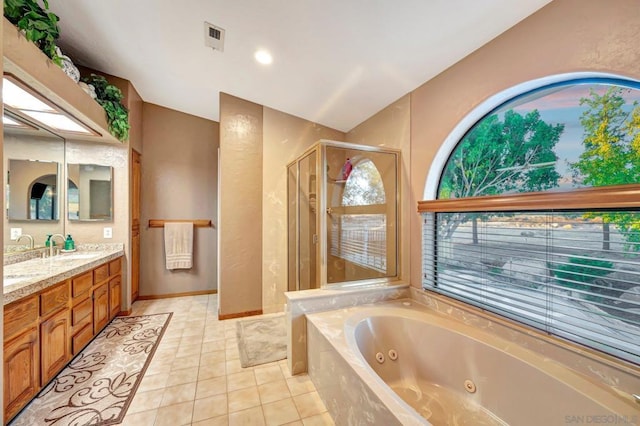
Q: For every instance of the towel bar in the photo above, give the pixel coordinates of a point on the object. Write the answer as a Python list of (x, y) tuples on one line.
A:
[(197, 223)]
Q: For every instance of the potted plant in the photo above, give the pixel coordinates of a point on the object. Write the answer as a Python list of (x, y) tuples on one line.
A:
[(37, 24), (110, 97)]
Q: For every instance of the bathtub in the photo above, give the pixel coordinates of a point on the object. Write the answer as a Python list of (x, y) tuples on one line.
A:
[(401, 363)]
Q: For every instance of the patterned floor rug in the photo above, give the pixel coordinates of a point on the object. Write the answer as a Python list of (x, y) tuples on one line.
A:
[(262, 340), (98, 385)]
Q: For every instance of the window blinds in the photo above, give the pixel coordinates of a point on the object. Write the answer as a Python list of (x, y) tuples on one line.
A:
[(572, 274)]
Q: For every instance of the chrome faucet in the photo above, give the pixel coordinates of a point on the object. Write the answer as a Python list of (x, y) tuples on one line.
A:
[(51, 243), (29, 237)]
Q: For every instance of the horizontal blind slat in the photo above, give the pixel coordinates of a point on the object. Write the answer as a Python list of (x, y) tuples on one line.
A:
[(552, 270)]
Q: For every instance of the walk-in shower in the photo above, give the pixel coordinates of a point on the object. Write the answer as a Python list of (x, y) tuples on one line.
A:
[(343, 202)]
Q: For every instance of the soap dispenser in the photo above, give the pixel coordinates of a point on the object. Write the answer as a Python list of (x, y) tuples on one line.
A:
[(69, 244), (48, 242)]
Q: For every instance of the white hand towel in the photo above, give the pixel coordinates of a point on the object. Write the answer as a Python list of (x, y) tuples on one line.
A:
[(178, 245)]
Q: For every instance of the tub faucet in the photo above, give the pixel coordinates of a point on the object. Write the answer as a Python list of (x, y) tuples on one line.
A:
[(29, 237), (51, 243)]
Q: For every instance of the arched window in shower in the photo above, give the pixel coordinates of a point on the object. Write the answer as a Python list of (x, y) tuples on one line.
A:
[(359, 234)]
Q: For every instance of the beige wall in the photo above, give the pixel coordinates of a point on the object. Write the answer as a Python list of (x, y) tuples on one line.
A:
[(256, 144), (179, 173), (565, 36), (390, 128), (240, 214), (285, 138)]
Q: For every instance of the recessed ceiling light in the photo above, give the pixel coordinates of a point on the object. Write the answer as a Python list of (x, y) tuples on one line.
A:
[(263, 56)]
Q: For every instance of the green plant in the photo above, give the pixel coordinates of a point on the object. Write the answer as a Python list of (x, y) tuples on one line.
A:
[(38, 24), (110, 97), (580, 272)]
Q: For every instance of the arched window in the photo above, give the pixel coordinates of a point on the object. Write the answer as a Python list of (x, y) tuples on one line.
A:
[(42, 198), (537, 214), (364, 185)]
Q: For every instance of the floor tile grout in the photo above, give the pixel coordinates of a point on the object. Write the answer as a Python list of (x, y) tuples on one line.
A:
[(204, 325)]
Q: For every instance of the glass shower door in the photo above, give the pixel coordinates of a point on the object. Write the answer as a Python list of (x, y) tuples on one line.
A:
[(361, 214), (308, 266)]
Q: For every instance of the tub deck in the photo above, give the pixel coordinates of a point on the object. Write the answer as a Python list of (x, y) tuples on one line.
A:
[(446, 372)]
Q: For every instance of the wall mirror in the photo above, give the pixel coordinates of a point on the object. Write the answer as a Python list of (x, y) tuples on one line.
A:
[(32, 176), (89, 192), (32, 193)]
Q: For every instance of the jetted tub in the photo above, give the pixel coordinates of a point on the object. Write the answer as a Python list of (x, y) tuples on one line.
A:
[(400, 363)]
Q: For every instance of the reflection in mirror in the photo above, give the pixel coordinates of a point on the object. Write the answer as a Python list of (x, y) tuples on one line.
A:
[(89, 194), (31, 193), (31, 170)]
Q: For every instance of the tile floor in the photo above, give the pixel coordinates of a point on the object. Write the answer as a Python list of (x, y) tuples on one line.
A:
[(195, 376)]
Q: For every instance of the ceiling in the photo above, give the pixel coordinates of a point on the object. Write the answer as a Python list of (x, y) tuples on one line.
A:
[(335, 62)]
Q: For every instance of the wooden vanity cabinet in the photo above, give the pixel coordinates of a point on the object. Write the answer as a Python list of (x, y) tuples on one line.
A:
[(81, 311), (115, 287), (21, 354), (115, 296), (43, 331), (100, 307), (55, 345), (55, 326)]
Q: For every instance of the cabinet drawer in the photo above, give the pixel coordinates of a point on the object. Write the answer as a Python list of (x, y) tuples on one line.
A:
[(101, 273), (81, 284), (115, 266), (53, 299), (20, 315), (81, 338), (81, 312)]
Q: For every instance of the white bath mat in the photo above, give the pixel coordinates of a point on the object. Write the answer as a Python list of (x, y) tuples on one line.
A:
[(262, 340)]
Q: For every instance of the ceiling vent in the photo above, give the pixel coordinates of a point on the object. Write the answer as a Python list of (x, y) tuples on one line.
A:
[(213, 37)]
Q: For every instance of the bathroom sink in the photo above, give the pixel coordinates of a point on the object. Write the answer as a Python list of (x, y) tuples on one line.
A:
[(75, 256)]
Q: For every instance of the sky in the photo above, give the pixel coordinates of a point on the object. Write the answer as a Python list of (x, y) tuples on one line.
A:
[(562, 105)]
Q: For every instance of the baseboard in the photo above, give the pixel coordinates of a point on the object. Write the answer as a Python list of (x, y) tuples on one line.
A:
[(239, 314), (125, 313), (167, 296)]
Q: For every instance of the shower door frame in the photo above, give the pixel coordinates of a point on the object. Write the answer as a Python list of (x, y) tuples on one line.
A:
[(322, 248)]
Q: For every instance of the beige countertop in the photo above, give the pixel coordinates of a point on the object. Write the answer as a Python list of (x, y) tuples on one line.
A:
[(31, 276)]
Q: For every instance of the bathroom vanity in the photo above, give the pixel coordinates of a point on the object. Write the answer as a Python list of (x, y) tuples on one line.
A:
[(53, 307)]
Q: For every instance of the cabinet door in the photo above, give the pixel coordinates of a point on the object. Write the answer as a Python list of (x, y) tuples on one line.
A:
[(135, 265), (21, 371), (136, 175), (100, 307), (114, 296), (55, 342)]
